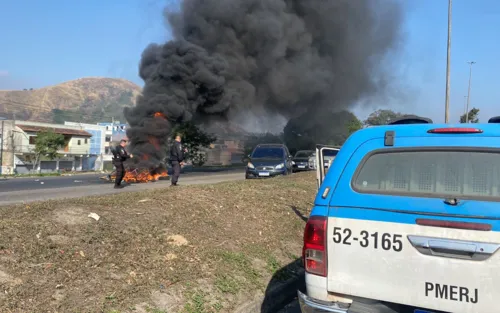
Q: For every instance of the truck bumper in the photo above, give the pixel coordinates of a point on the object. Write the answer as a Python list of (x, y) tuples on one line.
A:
[(310, 305)]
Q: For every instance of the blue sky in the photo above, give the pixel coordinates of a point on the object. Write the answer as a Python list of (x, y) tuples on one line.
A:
[(48, 42)]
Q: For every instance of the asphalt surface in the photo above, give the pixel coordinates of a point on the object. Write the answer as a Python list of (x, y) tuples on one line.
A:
[(31, 189), (78, 180)]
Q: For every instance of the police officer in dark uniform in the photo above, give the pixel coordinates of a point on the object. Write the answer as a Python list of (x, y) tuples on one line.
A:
[(120, 155), (176, 159)]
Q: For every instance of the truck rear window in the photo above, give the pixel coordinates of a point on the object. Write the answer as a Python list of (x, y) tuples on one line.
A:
[(467, 174)]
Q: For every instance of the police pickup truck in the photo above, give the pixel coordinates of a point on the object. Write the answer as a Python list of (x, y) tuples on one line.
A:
[(407, 219)]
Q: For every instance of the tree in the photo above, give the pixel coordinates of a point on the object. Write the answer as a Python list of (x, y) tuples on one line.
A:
[(381, 117), (47, 143), (318, 127), (61, 116), (473, 116), (194, 139), (354, 125), (255, 139)]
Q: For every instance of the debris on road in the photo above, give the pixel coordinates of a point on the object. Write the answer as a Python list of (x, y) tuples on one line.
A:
[(94, 216)]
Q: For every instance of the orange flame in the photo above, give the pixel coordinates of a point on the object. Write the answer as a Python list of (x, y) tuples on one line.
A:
[(143, 176), (159, 114)]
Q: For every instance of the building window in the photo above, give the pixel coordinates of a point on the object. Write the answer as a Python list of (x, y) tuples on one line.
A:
[(108, 138), (86, 141), (32, 140), (106, 150), (79, 142)]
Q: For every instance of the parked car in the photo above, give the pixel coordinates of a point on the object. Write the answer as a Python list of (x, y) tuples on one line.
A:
[(301, 160), (269, 160), (329, 155), (312, 161), (407, 219)]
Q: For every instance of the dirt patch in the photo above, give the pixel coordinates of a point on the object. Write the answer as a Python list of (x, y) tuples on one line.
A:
[(192, 249), (9, 280), (177, 240), (59, 240), (72, 216)]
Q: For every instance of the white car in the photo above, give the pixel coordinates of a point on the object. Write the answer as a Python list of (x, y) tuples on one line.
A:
[(329, 155), (312, 161), (327, 158)]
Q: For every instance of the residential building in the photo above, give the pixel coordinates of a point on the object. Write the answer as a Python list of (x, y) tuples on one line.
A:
[(225, 152), (115, 131), (6, 147), (95, 161), (72, 156)]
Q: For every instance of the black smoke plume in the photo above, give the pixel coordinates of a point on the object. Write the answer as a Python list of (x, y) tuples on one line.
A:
[(255, 60)]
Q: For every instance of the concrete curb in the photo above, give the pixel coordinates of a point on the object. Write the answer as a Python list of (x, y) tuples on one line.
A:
[(276, 298)]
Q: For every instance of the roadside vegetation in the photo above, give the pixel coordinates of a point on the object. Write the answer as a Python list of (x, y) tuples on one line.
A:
[(192, 249)]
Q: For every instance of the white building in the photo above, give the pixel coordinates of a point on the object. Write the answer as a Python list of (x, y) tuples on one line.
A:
[(73, 155), (114, 132), (97, 149)]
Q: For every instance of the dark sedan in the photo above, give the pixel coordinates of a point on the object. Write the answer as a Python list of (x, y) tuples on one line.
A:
[(269, 160), (301, 160)]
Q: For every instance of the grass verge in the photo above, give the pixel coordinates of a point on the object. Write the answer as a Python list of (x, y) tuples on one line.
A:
[(190, 249)]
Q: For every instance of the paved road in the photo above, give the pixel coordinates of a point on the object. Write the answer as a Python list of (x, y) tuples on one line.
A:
[(19, 190), (79, 180)]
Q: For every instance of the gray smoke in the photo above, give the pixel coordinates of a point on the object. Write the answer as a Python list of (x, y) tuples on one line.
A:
[(258, 60)]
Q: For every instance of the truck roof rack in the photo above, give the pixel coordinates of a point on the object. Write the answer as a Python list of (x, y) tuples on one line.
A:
[(410, 119), (494, 120)]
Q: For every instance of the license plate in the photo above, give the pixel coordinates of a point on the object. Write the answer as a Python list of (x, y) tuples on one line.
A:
[(422, 311), (302, 166), (264, 174)]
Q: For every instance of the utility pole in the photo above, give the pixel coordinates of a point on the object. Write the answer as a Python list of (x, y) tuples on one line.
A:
[(448, 60), (465, 105), (468, 93), (1, 146)]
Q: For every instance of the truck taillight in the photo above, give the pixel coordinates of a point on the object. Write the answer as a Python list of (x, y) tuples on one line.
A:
[(314, 251)]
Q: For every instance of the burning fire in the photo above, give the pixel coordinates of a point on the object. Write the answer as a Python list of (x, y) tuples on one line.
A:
[(140, 175), (159, 114), (143, 176)]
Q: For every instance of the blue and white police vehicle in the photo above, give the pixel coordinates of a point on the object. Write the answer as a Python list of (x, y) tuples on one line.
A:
[(407, 219)]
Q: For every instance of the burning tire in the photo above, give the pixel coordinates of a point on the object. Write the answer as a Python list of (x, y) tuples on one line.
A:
[(139, 175)]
